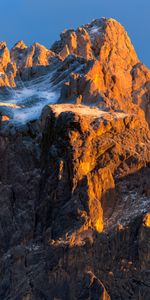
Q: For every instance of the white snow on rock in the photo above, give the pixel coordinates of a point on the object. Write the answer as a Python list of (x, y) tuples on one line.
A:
[(84, 110), (95, 31), (26, 103), (130, 206)]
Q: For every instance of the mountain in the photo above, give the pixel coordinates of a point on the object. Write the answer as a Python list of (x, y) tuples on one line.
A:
[(75, 168), (96, 65)]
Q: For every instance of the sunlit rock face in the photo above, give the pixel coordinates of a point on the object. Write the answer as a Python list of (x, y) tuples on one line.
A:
[(38, 55), (7, 69), (110, 78), (26, 58), (17, 54), (96, 40), (141, 88), (74, 42), (95, 64), (92, 148), (75, 168), (110, 74)]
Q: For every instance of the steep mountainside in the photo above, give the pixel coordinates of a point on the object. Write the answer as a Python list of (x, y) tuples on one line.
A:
[(75, 168)]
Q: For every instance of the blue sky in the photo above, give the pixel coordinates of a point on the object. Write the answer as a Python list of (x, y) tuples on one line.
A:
[(43, 20)]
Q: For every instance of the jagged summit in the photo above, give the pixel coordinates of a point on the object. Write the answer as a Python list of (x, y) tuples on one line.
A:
[(88, 39), (94, 65), (20, 44)]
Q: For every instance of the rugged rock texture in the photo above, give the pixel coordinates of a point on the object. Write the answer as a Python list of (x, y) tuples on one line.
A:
[(7, 69), (96, 64), (92, 160), (74, 183), (17, 54), (77, 43), (31, 60), (74, 195), (113, 77)]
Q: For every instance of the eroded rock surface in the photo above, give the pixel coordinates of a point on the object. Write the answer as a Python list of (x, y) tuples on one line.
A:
[(7, 69), (74, 197), (112, 77)]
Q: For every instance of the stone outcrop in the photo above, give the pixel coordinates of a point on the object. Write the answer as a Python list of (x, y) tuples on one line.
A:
[(74, 196), (7, 69), (74, 42), (113, 77), (97, 147), (31, 60), (17, 54), (93, 289), (24, 62)]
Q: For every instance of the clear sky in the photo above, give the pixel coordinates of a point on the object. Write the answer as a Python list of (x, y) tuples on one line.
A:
[(43, 20)]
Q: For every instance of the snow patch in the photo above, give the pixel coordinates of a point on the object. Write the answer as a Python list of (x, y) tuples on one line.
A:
[(84, 110), (129, 207), (26, 103), (95, 31)]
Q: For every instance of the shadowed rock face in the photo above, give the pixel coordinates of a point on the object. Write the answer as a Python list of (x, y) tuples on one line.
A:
[(74, 183), (74, 197)]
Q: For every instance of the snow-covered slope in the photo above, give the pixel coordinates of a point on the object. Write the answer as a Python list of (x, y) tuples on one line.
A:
[(26, 102)]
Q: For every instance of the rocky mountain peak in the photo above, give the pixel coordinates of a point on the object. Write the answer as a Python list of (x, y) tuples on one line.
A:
[(17, 53), (7, 69), (96, 40), (75, 168), (37, 54), (4, 54), (20, 45), (108, 79), (3, 45), (96, 64), (109, 38)]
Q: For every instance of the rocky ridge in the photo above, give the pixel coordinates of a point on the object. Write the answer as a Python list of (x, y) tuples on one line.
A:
[(74, 183), (96, 64)]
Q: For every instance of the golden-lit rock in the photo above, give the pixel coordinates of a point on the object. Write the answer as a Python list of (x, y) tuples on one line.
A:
[(5, 118), (94, 288), (27, 57), (110, 74), (73, 42), (94, 145), (144, 242), (17, 54), (114, 79), (146, 220), (120, 227), (37, 55), (7, 69), (96, 64)]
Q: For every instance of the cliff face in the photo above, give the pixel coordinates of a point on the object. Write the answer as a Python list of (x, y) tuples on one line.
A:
[(74, 182), (74, 194), (7, 69), (112, 76), (31, 60)]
